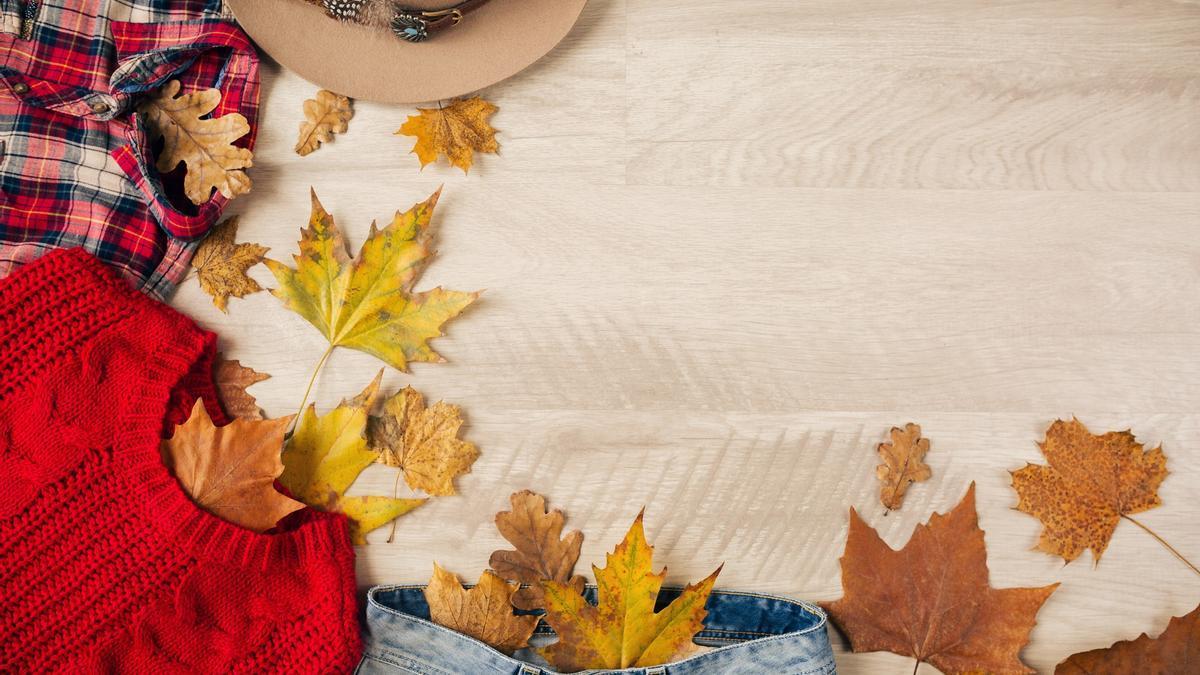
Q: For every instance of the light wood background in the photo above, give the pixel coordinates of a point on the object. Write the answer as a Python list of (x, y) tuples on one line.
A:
[(726, 246)]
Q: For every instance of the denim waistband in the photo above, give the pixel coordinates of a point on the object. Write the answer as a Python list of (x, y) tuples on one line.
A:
[(749, 633)]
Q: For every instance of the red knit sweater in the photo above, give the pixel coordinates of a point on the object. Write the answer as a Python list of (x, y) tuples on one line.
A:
[(105, 564)]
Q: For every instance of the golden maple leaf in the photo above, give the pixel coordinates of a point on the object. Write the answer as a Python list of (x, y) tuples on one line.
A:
[(623, 630), (204, 145), (1175, 650), (324, 116), (324, 457), (483, 612), (232, 378), (931, 600), (230, 471), (903, 464), (422, 442), (221, 264), (368, 303), (457, 130), (542, 552), (1091, 484)]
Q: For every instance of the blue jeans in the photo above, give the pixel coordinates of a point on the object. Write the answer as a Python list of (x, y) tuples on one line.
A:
[(750, 633)]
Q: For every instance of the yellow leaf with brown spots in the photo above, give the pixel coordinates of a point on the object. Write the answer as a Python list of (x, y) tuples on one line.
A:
[(221, 263), (457, 130), (484, 612), (1091, 483), (903, 464), (422, 442)]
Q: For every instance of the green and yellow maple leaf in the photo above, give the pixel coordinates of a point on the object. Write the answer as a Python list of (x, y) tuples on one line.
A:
[(623, 630), (327, 453), (367, 303)]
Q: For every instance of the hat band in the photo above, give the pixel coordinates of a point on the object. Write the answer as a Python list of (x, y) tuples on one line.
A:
[(412, 25)]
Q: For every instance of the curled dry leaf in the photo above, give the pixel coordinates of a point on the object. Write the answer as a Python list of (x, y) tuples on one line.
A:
[(230, 471), (324, 116), (422, 442), (542, 552), (1175, 650), (903, 464), (204, 145), (1091, 483), (931, 600), (221, 264), (458, 131), (484, 612), (623, 630), (232, 378)]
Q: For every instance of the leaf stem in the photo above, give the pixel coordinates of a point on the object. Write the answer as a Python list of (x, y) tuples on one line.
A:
[(1162, 541), (308, 389), (916, 666), (396, 494)]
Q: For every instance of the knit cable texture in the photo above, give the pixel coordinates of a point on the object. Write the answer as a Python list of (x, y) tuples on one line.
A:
[(106, 565)]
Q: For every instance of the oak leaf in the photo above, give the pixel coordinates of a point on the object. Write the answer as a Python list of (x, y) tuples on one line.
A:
[(541, 551), (1091, 483), (1175, 650), (368, 303), (484, 612), (232, 378), (324, 116), (422, 441), (457, 130), (230, 471), (221, 264), (204, 145), (931, 600), (324, 457), (623, 630), (903, 464)]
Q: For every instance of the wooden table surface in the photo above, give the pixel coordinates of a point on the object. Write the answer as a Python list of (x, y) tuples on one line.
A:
[(727, 246)]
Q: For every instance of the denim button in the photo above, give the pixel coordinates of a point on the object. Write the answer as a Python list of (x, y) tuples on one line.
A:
[(99, 107), (20, 88)]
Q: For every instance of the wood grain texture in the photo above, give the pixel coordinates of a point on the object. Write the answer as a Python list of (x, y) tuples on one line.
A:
[(725, 252)]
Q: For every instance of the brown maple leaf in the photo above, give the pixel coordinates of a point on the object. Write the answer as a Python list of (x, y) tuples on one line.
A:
[(931, 600), (230, 471), (903, 464), (542, 552), (457, 130), (422, 441), (1175, 650), (1092, 482), (484, 612), (324, 116), (221, 264), (232, 378)]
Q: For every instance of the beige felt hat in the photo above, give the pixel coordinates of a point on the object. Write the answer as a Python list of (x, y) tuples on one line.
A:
[(488, 44)]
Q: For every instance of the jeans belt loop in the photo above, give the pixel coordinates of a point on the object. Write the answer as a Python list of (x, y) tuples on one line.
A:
[(527, 669)]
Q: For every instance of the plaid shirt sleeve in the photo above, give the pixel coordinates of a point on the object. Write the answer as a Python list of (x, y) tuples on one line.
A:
[(76, 168)]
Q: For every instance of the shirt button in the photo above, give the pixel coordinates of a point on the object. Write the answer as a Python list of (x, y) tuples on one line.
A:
[(99, 107), (20, 88)]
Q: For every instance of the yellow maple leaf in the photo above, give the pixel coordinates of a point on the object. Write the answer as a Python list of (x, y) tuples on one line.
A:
[(422, 442), (484, 612), (458, 131), (324, 116), (623, 630), (204, 145), (368, 303), (221, 264), (324, 457)]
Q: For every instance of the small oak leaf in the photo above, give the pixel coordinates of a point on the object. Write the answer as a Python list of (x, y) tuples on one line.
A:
[(221, 264), (1090, 484), (422, 442), (230, 471), (903, 464), (232, 378), (542, 552), (205, 145), (324, 116), (484, 612), (457, 130), (1175, 650)]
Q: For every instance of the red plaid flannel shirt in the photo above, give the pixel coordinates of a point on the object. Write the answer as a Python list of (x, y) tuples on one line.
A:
[(75, 165)]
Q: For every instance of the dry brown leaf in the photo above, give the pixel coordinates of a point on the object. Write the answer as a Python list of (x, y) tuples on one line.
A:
[(230, 471), (324, 116), (903, 464), (204, 145), (1176, 650), (422, 442), (232, 378), (221, 264), (542, 552), (458, 131), (483, 612), (931, 600), (1092, 482)]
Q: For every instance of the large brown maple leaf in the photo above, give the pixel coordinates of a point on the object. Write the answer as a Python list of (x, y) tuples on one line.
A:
[(931, 600), (1176, 650)]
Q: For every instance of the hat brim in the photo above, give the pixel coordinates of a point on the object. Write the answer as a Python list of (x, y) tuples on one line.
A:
[(493, 43)]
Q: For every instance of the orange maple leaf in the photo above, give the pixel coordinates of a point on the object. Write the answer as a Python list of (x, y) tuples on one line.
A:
[(1176, 650), (457, 130)]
